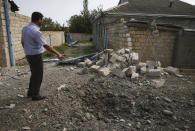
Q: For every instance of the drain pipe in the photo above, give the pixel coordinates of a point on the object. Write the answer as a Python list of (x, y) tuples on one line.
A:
[(49, 39), (106, 42), (7, 17)]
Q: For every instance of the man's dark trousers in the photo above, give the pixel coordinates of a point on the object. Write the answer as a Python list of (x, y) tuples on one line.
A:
[(36, 67)]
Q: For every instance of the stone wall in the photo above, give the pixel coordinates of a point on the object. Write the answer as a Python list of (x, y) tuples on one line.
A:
[(130, 35), (81, 36), (17, 22), (159, 48), (118, 35)]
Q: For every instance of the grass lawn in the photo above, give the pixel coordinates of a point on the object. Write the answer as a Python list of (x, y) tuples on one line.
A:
[(85, 48), (60, 48)]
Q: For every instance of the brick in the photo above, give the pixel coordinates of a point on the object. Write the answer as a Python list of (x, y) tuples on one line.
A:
[(134, 57), (118, 73), (134, 76), (154, 73), (104, 71), (158, 83), (94, 68)]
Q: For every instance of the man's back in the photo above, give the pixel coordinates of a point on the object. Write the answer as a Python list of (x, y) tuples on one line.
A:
[(32, 39)]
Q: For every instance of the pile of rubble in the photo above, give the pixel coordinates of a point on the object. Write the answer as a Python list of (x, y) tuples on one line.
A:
[(125, 64)]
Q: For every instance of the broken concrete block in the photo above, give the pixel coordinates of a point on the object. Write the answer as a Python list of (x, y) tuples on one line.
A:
[(61, 87), (11, 106), (88, 62), (26, 128), (121, 51), (81, 64), (118, 73), (126, 56), (167, 112), (83, 71), (154, 73), (172, 70), (124, 65), (125, 69), (100, 62), (94, 68), (130, 70), (127, 51), (158, 83), (113, 58), (143, 70), (140, 65), (134, 76), (178, 75), (104, 71), (153, 64), (116, 58), (121, 59), (158, 64), (71, 68), (109, 51), (134, 58), (114, 66)]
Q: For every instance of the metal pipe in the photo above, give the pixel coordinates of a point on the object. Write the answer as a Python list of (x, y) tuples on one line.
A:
[(7, 17), (96, 55), (49, 39), (106, 43), (74, 59)]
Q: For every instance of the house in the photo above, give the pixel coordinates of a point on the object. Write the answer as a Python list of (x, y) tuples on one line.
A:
[(161, 30)]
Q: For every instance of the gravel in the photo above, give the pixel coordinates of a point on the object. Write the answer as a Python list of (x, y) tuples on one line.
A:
[(89, 102)]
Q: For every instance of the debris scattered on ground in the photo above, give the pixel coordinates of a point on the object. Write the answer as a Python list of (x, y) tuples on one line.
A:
[(21, 96), (26, 128), (11, 106), (125, 64), (167, 112), (158, 83), (61, 87), (118, 101), (173, 71)]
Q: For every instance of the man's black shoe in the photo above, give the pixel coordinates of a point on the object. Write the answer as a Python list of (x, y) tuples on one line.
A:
[(38, 98)]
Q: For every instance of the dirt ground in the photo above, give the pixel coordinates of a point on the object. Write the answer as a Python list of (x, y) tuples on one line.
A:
[(89, 102)]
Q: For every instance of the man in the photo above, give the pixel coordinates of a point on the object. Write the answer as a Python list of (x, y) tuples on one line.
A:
[(34, 44)]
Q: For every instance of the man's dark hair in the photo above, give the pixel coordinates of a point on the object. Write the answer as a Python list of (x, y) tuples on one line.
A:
[(36, 16)]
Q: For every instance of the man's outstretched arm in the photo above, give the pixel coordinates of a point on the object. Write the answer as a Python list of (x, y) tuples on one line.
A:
[(51, 49)]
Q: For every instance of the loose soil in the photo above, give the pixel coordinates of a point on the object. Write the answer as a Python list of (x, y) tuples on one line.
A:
[(90, 102)]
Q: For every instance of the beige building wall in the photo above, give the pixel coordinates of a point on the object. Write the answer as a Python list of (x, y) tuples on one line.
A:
[(17, 22), (57, 37), (81, 36)]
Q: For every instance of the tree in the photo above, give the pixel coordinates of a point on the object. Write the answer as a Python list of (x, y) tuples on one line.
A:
[(82, 23), (49, 25)]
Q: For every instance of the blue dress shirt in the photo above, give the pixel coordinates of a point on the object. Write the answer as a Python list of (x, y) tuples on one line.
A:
[(33, 39)]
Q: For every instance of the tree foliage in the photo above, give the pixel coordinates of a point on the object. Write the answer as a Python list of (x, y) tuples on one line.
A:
[(49, 25), (82, 23)]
